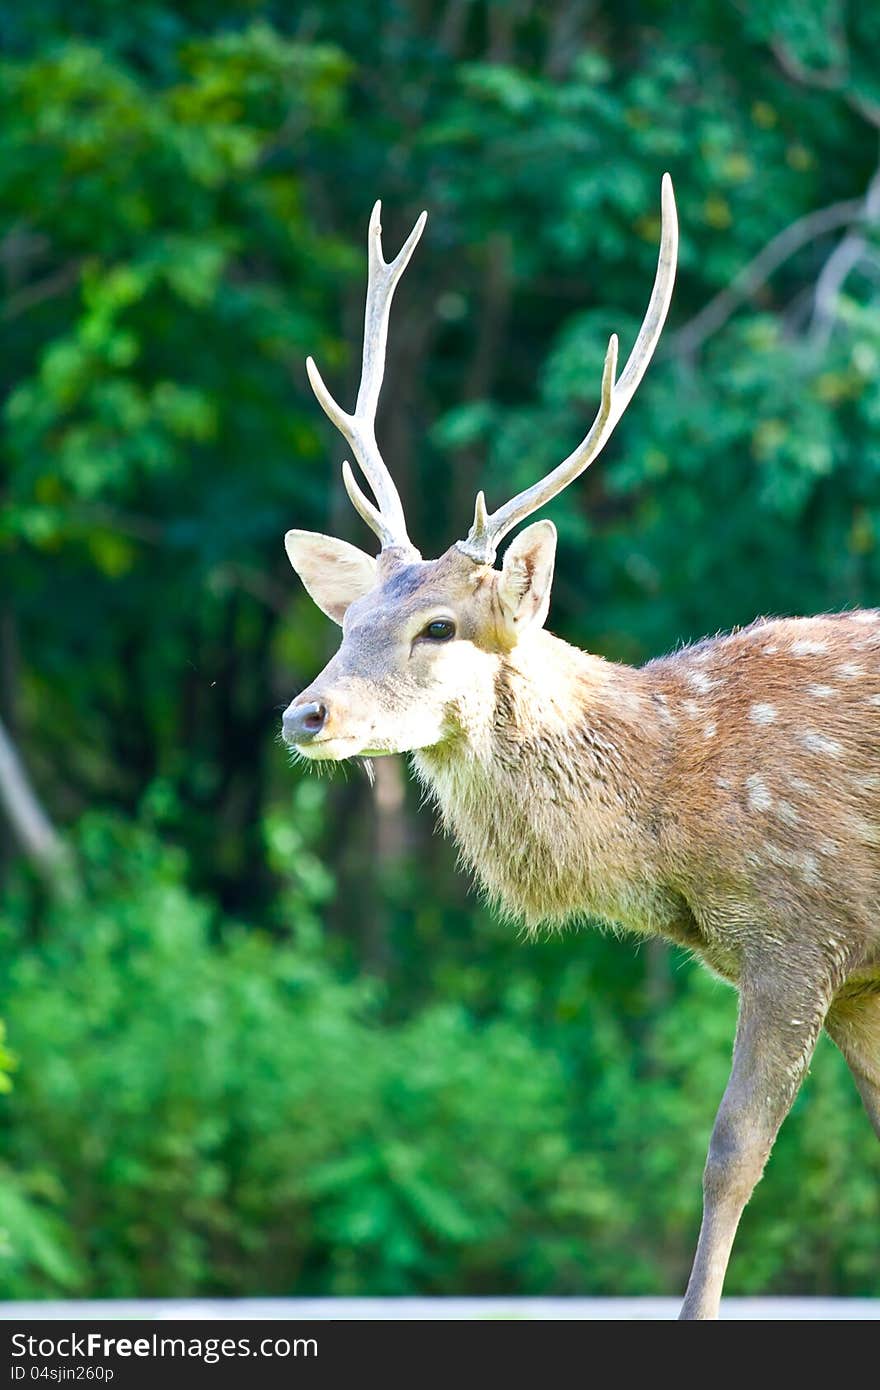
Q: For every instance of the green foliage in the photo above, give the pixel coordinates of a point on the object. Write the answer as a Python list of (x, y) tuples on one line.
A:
[(203, 1109), (271, 1045)]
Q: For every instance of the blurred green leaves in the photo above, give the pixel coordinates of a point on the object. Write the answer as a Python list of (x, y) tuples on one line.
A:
[(204, 1109), (262, 1051), (217, 1110)]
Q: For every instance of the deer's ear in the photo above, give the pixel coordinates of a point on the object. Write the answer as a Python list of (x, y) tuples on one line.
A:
[(526, 576), (334, 572)]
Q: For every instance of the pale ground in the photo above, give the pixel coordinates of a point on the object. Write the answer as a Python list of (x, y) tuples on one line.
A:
[(455, 1309)]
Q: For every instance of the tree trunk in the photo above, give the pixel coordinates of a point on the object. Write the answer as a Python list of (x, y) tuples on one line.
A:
[(31, 826)]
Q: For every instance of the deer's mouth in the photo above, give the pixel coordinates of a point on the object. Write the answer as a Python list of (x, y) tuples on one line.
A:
[(337, 747), (329, 749)]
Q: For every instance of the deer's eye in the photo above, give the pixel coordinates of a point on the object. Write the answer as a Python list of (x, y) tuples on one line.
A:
[(440, 630)]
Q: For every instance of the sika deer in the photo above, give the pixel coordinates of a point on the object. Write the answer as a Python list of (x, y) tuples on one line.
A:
[(726, 797)]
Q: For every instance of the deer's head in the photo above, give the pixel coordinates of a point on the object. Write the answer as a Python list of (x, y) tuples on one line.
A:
[(422, 640)]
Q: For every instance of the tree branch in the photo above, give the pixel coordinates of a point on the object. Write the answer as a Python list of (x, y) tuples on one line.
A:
[(756, 273), (25, 298), (831, 79), (843, 259)]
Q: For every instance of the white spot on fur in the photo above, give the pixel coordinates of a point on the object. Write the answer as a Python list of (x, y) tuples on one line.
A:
[(799, 785), (757, 795), (692, 708), (768, 651), (805, 646), (874, 699), (821, 692), (697, 680), (805, 864), (867, 782), (662, 704), (785, 811), (763, 714), (810, 869), (723, 783), (849, 670), (818, 743), (710, 730), (864, 830), (826, 847)]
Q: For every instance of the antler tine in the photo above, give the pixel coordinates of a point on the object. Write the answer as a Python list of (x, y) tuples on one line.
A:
[(487, 532), (365, 509), (359, 429)]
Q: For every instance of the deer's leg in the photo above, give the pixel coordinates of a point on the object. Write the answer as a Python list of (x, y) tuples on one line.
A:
[(779, 1021), (854, 1024)]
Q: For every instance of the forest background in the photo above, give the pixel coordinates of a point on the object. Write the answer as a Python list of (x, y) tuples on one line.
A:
[(262, 1037)]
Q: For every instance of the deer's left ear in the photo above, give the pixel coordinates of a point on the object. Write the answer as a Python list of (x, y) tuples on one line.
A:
[(526, 576), (334, 572)]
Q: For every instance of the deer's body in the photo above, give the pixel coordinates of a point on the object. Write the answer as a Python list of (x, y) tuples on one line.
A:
[(726, 797), (713, 797)]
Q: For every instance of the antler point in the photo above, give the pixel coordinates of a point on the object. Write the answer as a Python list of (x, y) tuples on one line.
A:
[(481, 517)]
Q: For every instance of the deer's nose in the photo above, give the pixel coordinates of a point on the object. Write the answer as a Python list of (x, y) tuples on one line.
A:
[(302, 722)]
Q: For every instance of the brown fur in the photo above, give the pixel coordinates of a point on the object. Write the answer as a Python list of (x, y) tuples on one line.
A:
[(640, 798)]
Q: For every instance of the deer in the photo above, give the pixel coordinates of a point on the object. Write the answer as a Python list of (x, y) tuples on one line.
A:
[(725, 798)]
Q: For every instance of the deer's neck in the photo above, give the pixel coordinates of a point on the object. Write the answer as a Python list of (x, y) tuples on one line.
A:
[(551, 787)]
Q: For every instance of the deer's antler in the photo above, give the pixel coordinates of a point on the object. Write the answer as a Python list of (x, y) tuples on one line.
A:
[(487, 530), (387, 520)]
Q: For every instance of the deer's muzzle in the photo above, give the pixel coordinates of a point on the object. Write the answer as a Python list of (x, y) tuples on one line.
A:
[(303, 722)]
